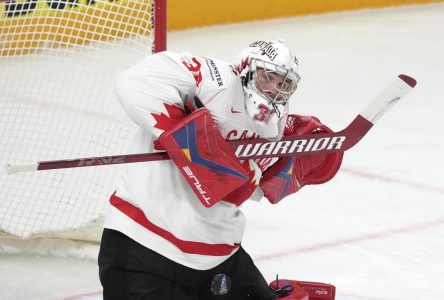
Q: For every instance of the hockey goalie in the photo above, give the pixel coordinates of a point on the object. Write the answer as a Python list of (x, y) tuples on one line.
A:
[(174, 228)]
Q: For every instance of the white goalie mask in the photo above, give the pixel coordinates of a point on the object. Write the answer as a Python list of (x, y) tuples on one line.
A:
[(269, 77)]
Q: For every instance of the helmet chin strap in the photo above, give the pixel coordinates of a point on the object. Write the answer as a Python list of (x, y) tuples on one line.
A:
[(248, 77), (276, 109)]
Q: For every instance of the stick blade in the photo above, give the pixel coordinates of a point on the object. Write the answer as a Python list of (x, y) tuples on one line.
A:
[(396, 90)]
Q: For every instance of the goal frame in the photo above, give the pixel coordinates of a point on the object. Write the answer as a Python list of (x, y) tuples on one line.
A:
[(160, 26)]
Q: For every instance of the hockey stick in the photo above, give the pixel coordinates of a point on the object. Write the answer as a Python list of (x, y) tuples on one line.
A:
[(260, 148)]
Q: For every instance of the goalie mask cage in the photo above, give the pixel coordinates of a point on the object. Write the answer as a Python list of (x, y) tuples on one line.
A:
[(58, 61)]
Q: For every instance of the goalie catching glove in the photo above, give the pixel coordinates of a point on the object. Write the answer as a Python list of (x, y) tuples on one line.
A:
[(290, 174), (207, 162)]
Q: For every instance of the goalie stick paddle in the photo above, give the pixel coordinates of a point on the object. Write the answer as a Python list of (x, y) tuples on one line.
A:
[(260, 148)]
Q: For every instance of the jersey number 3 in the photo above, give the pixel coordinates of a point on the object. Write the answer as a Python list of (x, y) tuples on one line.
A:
[(194, 68), (264, 114)]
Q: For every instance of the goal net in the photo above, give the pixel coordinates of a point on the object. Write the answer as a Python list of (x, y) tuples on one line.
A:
[(58, 61)]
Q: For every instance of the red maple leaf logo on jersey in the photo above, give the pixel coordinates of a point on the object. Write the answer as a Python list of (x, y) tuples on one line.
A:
[(173, 116)]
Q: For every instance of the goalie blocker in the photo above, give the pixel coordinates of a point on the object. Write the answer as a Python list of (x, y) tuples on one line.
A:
[(207, 162)]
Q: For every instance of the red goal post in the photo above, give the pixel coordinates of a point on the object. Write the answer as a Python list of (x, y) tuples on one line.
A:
[(59, 60)]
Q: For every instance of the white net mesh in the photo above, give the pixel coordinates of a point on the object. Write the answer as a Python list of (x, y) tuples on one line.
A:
[(58, 62)]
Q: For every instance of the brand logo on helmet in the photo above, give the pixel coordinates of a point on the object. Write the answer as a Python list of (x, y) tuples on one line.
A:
[(266, 48)]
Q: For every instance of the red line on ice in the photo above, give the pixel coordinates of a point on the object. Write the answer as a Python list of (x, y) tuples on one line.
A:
[(404, 182), (352, 240)]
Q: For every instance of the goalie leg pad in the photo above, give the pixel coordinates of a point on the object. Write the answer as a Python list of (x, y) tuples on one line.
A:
[(207, 162), (303, 290)]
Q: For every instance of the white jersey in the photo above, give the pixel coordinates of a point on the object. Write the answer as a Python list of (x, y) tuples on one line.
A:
[(153, 203)]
